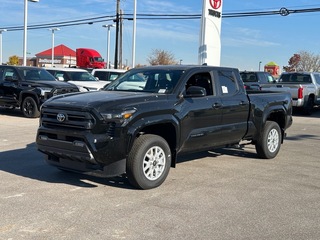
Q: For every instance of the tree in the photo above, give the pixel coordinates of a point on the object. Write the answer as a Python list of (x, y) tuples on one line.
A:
[(13, 60), (303, 61), (309, 62), (161, 57)]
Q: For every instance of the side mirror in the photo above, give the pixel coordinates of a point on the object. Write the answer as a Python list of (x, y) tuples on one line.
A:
[(196, 91)]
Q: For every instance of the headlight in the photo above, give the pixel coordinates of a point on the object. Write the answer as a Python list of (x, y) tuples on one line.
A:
[(44, 90), (122, 116)]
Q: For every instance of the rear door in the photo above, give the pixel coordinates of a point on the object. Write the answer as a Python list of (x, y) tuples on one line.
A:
[(235, 106)]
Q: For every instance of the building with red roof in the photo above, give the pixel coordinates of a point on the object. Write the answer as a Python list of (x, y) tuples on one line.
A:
[(63, 57)]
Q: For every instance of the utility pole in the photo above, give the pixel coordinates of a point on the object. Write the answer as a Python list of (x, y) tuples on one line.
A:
[(120, 39), (117, 36)]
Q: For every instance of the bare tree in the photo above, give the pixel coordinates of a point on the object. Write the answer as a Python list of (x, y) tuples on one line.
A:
[(309, 61), (303, 61), (161, 57)]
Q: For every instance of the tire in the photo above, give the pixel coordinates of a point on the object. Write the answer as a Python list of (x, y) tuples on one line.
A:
[(269, 142), (30, 108), (308, 108), (148, 162)]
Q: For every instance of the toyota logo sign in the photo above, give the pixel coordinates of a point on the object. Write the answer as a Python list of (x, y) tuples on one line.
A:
[(215, 4), (61, 117)]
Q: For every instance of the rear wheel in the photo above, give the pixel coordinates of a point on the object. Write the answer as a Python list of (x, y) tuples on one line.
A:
[(30, 108), (308, 108), (269, 141), (148, 162)]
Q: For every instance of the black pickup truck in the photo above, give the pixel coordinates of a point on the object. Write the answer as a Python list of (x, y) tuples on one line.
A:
[(28, 87), (147, 117)]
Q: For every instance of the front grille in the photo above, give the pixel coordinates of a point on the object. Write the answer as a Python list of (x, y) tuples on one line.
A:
[(68, 119), (59, 91)]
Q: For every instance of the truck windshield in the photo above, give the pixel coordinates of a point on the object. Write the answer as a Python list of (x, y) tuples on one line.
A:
[(36, 74), (156, 81)]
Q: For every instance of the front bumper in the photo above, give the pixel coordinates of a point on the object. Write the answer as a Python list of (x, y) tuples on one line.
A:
[(82, 151)]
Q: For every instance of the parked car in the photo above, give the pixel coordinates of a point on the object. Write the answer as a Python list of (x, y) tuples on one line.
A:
[(304, 88), (80, 77), (107, 75), (140, 130), (254, 80), (28, 88)]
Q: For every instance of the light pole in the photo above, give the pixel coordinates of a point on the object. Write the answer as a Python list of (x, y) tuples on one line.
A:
[(1, 31), (25, 30), (134, 34), (108, 42), (52, 49), (259, 65)]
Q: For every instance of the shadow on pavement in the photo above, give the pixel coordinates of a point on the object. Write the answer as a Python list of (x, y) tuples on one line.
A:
[(30, 163)]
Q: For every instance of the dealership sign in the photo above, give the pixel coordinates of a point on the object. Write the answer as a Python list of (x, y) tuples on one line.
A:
[(210, 34)]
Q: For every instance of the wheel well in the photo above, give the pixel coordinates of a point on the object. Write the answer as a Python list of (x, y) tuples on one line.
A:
[(278, 117), (24, 95), (166, 131)]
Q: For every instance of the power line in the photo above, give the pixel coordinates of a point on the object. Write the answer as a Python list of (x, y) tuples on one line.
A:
[(282, 12)]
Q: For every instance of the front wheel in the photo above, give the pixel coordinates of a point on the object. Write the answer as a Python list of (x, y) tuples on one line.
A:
[(269, 141), (30, 108), (148, 162)]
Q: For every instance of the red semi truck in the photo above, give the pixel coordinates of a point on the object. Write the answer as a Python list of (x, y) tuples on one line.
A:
[(89, 58)]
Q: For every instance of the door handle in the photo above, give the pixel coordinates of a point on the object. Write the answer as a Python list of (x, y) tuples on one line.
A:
[(217, 105)]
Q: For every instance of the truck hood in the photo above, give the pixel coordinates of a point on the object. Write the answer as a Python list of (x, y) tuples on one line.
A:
[(103, 100), (50, 84)]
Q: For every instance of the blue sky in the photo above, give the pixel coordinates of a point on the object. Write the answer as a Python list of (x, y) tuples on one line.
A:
[(245, 41)]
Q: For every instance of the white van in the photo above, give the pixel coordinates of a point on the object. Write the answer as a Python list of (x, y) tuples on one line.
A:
[(79, 77)]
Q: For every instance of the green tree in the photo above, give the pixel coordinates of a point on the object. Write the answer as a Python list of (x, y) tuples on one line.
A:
[(161, 57), (13, 60)]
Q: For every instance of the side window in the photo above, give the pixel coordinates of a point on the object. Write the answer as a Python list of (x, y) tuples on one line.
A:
[(9, 74), (262, 77), (317, 77), (60, 76), (201, 80), (228, 82), (270, 78)]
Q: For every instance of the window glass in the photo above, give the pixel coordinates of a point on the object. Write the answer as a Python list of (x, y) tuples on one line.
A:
[(228, 82), (155, 80), (201, 80), (317, 77)]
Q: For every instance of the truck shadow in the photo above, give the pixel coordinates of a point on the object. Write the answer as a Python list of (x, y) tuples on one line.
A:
[(30, 163)]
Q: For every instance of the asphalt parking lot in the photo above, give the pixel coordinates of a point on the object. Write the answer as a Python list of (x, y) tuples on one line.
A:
[(221, 194)]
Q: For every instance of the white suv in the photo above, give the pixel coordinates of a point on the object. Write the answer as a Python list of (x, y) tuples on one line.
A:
[(107, 75), (80, 77)]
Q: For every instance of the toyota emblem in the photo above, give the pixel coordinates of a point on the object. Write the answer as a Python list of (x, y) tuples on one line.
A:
[(215, 4), (61, 117)]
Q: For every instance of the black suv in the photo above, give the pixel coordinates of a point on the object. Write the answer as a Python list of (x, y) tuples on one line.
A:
[(28, 87)]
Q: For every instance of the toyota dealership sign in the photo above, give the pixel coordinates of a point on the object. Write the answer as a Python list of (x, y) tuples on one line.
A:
[(210, 42)]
